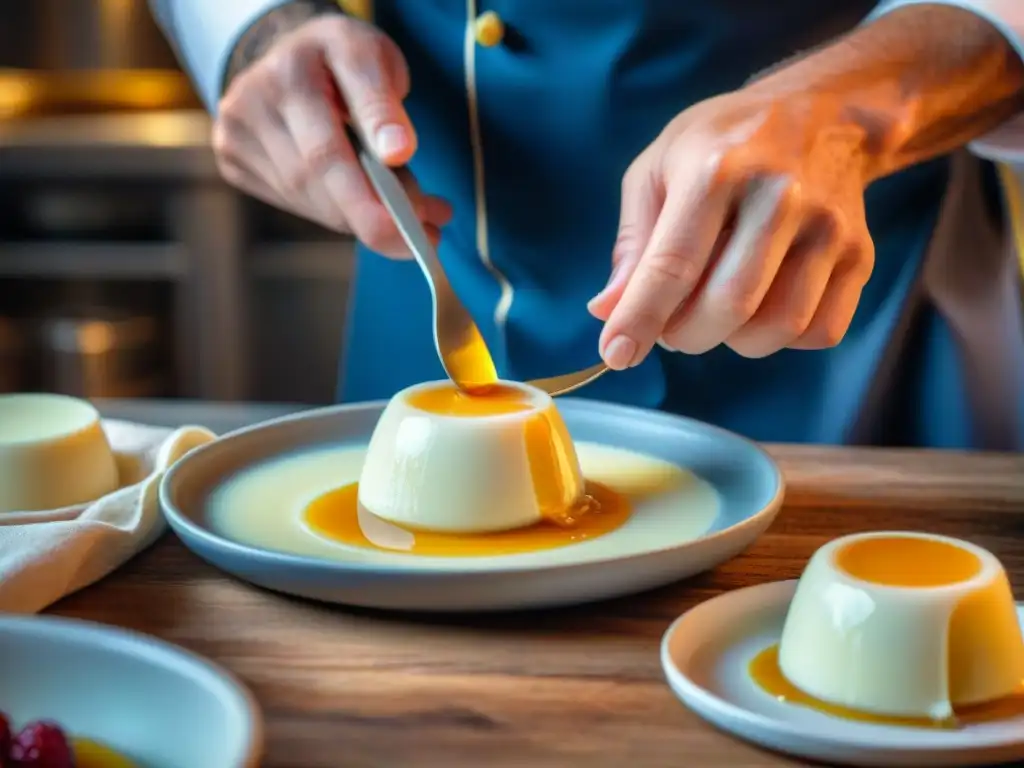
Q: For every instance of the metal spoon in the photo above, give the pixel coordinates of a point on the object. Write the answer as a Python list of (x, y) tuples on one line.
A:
[(567, 382), (460, 346)]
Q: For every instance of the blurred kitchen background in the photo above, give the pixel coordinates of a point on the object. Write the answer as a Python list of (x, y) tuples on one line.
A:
[(127, 268)]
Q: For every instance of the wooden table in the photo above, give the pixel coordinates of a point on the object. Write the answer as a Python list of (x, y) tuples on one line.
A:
[(577, 687)]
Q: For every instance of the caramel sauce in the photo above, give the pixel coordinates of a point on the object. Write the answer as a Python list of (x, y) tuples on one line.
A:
[(448, 400), (554, 468), (767, 674), (906, 561), (93, 754), (337, 516)]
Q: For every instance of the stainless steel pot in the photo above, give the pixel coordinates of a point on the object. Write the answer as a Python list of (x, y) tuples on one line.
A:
[(102, 355)]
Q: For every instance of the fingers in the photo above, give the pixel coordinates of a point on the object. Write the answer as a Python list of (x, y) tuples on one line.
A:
[(766, 224), (430, 209), (824, 254), (787, 310), (241, 159), (668, 271), (327, 171), (281, 136), (374, 79), (642, 199), (838, 305)]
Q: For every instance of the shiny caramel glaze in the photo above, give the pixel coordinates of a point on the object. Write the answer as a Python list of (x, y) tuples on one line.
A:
[(906, 561), (553, 463), (336, 516), (767, 674), (447, 400)]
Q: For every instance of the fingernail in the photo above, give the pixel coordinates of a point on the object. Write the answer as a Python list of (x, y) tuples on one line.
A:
[(390, 140), (620, 352)]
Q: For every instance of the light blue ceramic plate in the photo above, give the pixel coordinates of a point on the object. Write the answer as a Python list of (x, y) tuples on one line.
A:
[(706, 656), (659, 545), (157, 704)]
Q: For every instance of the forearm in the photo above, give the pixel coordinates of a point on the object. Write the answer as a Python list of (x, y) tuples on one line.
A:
[(918, 82)]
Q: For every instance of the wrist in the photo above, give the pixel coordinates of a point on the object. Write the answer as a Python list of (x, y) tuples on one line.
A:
[(261, 35), (827, 90), (917, 83)]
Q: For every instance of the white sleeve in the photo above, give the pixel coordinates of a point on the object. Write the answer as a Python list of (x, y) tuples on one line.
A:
[(1007, 16), (205, 32)]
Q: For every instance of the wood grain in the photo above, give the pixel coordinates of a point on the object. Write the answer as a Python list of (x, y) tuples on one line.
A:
[(577, 687)]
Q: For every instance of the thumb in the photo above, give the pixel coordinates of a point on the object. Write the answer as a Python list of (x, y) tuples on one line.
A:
[(642, 199), (373, 79)]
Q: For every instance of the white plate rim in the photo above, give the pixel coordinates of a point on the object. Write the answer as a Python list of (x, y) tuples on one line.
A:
[(866, 740), (182, 523)]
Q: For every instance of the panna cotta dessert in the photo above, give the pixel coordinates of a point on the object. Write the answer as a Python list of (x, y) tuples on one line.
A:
[(442, 460), (903, 625), (53, 453)]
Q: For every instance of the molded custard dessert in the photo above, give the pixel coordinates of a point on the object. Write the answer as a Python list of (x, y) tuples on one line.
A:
[(905, 628), (53, 453), (441, 460)]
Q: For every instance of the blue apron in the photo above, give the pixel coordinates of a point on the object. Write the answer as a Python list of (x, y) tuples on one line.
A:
[(574, 91)]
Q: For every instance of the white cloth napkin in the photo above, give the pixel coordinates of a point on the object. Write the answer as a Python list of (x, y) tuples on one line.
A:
[(47, 555)]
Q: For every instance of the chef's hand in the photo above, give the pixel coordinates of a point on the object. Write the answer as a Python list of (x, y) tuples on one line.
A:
[(741, 224), (280, 136)]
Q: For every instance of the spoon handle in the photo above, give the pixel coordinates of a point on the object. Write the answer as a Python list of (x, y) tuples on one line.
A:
[(460, 346), (395, 199), (569, 382)]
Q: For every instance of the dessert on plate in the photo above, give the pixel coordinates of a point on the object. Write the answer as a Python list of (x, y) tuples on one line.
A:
[(450, 473), (904, 628), (443, 460)]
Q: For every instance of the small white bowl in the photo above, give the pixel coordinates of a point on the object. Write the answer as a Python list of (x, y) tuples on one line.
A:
[(53, 453), (156, 704), (469, 473)]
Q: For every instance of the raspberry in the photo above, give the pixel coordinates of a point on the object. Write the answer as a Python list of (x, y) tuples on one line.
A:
[(5, 739), (41, 745)]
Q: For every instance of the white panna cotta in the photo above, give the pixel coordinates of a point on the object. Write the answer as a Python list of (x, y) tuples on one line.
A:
[(53, 453), (441, 460), (903, 625)]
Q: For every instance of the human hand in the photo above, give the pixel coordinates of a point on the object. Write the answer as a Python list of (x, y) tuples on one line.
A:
[(280, 132), (743, 224)]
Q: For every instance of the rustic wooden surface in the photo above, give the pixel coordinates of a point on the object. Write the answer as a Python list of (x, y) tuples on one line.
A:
[(578, 687)]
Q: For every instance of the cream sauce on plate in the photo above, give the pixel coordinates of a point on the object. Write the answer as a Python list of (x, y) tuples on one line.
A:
[(263, 505)]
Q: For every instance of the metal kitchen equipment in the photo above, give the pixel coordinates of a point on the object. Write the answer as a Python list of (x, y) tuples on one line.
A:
[(103, 354), (13, 358)]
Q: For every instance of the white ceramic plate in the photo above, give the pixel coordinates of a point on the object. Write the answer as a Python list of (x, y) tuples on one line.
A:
[(157, 704), (706, 654), (651, 550)]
